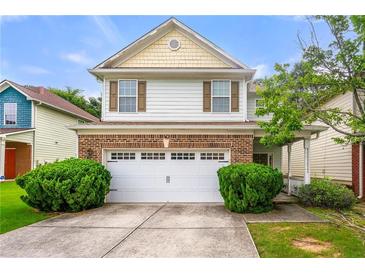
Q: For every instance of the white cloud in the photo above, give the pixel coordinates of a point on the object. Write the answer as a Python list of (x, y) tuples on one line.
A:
[(35, 70), (262, 70), (76, 57), (108, 28)]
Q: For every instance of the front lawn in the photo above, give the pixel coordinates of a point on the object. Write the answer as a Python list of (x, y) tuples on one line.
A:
[(343, 236), (14, 213)]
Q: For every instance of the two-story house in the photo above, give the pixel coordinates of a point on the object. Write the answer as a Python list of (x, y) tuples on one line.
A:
[(175, 109), (33, 128)]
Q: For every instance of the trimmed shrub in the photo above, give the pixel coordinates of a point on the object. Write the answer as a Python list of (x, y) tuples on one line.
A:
[(325, 193), (249, 187), (68, 185)]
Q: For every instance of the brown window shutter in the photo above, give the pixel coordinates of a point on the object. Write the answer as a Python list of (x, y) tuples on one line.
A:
[(113, 96), (141, 96), (235, 105), (207, 96)]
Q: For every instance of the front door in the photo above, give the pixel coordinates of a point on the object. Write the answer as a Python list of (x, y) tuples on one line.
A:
[(10, 163)]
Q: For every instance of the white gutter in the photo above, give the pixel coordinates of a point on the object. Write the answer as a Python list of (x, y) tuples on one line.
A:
[(361, 170), (16, 132), (171, 70), (156, 125)]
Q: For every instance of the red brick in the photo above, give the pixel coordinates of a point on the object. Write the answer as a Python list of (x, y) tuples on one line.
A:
[(355, 169), (241, 146)]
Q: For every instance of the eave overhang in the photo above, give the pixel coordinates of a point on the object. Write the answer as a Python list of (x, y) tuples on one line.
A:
[(190, 73)]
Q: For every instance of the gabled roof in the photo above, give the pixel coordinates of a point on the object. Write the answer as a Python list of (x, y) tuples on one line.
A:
[(158, 32), (46, 97)]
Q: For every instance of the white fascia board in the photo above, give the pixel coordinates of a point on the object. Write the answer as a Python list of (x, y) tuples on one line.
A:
[(16, 132), (6, 84), (210, 44), (161, 28)]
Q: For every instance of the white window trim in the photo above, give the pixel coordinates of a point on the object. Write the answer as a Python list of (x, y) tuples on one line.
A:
[(128, 96), (211, 97), (16, 114)]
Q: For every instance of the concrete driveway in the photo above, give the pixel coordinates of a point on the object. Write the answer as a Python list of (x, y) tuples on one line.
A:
[(135, 230)]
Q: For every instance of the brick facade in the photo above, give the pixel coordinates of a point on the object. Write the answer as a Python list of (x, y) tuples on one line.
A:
[(241, 146), (355, 168)]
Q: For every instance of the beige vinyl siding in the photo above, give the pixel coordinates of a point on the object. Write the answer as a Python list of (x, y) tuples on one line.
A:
[(326, 157), (251, 108), (53, 140), (189, 55), (25, 137), (275, 150), (174, 100)]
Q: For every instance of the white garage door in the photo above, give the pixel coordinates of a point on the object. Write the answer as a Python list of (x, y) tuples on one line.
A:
[(160, 176)]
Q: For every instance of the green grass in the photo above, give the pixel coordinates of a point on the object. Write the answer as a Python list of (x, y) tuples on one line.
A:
[(14, 213), (343, 236)]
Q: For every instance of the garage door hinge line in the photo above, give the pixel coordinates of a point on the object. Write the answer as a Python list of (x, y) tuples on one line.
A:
[(133, 230)]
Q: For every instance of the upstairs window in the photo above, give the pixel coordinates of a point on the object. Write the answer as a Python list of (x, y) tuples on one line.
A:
[(221, 95), (127, 95), (10, 110)]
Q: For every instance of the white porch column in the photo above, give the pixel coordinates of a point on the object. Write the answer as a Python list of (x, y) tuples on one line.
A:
[(307, 174), (289, 168), (2, 157)]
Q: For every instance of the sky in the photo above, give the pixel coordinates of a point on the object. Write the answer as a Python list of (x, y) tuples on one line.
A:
[(56, 51)]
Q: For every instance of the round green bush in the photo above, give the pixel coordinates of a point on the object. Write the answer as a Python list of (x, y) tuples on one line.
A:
[(68, 185), (249, 187), (327, 194)]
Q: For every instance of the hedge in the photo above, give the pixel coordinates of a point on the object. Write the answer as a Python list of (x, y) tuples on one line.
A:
[(249, 187), (327, 194), (68, 185)]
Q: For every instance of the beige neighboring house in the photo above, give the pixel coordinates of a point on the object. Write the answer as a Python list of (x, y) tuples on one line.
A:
[(342, 163), (176, 108), (34, 128)]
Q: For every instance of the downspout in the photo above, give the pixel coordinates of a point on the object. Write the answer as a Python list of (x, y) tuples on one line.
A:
[(361, 170)]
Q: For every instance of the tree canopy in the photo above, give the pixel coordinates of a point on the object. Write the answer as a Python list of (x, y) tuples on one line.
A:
[(297, 95), (92, 105)]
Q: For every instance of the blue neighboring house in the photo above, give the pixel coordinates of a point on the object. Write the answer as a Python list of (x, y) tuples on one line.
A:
[(34, 128)]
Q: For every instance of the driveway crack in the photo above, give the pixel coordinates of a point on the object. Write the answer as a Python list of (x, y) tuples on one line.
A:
[(133, 230)]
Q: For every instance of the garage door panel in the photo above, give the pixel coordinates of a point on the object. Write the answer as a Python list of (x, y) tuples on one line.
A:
[(163, 195), (175, 176)]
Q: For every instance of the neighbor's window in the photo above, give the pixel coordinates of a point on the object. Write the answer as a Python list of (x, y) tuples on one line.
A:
[(10, 110), (127, 95), (221, 96)]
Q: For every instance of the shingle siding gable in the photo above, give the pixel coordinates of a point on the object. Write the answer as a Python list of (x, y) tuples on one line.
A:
[(24, 108)]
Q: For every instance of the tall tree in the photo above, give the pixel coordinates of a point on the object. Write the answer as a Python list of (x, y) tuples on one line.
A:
[(75, 96), (296, 95)]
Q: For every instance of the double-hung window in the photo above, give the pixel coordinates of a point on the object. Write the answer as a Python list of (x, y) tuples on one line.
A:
[(10, 110), (221, 95), (127, 95)]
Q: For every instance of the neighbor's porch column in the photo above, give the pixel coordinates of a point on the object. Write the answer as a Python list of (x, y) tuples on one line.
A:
[(307, 174), (289, 168), (2, 156)]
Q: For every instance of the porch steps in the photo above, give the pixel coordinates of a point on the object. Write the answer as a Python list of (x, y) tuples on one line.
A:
[(283, 198)]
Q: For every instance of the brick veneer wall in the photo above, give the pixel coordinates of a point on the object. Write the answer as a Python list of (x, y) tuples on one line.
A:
[(355, 168), (90, 146)]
